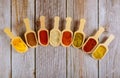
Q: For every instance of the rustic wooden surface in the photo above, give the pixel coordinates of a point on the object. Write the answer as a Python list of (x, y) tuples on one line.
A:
[(59, 62)]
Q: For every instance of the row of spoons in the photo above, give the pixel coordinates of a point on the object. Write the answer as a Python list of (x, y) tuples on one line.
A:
[(65, 38)]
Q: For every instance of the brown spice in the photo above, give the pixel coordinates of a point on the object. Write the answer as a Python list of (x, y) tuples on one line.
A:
[(31, 39)]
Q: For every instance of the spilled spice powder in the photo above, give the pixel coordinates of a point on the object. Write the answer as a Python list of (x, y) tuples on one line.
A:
[(43, 37), (78, 40), (31, 39), (55, 37), (91, 43), (99, 52), (19, 45), (67, 38)]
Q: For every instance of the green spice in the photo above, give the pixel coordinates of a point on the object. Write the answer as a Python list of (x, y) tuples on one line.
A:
[(78, 40)]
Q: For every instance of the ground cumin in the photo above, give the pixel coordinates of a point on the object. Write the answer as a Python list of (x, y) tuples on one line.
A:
[(67, 38), (90, 44), (31, 39), (78, 40)]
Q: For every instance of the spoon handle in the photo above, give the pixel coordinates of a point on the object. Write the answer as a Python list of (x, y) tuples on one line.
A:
[(99, 32), (27, 24), (56, 22), (42, 21), (68, 22), (9, 33), (82, 24), (110, 38)]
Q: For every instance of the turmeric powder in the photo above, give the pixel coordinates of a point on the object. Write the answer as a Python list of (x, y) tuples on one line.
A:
[(99, 52), (19, 45)]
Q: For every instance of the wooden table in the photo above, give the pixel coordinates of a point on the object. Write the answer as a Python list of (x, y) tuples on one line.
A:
[(59, 62)]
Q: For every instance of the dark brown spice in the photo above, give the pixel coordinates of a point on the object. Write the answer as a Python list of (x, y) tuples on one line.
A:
[(31, 39)]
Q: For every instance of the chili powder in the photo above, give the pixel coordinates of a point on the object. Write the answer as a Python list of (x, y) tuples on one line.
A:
[(43, 37), (90, 44), (67, 38), (31, 39)]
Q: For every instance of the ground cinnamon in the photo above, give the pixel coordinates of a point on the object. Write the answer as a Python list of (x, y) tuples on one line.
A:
[(31, 39)]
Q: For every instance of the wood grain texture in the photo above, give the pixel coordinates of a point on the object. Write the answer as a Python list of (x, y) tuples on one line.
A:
[(5, 52), (109, 17), (22, 64), (59, 62), (50, 61), (79, 64)]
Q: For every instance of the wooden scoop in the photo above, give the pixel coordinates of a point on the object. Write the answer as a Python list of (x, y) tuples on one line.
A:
[(43, 35), (79, 35), (67, 34), (55, 33), (92, 41), (17, 43), (30, 35), (102, 49)]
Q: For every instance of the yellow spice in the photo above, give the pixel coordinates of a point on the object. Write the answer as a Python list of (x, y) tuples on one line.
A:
[(99, 52), (19, 45)]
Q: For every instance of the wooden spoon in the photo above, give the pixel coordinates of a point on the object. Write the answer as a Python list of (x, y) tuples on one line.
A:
[(92, 41), (79, 35), (102, 49), (55, 33), (43, 35), (30, 35), (17, 43), (67, 34)]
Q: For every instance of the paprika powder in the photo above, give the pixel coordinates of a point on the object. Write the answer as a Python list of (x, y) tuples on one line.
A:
[(67, 38), (43, 35), (67, 34), (91, 43)]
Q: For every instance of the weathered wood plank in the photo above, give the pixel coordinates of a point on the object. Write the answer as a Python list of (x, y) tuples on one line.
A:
[(109, 17), (50, 61), (5, 52), (79, 64), (22, 64)]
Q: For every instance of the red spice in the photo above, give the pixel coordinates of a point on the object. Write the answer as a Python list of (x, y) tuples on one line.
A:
[(43, 37), (67, 38), (91, 43)]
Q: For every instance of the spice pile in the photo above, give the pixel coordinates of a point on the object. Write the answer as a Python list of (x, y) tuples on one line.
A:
[(66, 38)]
